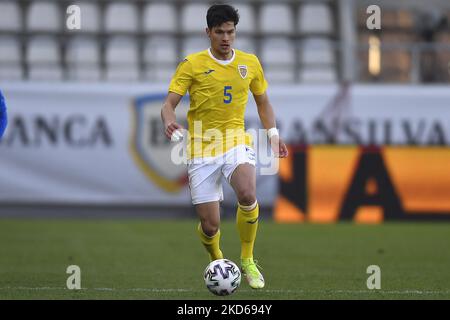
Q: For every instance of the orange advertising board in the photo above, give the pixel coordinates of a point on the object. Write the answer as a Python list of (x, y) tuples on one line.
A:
[(323, 183)]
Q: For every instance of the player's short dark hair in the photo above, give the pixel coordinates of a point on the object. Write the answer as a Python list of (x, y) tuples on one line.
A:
[(221, 13)]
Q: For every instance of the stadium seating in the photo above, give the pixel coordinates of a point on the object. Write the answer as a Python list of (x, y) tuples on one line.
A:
[(276, 18), (10, 18), (278, 58), (245, 44), (160, 50), (395, 66), (317, 61), (121, 17), (156, 74), (397, 19), (43, 57), (246, 18), (122, 59), (193, 17), (160, 58), (317, 51), (160, 17), (278, 50), (83, 59), (161, 32), (193, 44), (10, 67), (44, 16), (90, 19), (315, 18)]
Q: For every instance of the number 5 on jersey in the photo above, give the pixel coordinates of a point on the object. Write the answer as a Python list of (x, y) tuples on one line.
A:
[(227, 94)]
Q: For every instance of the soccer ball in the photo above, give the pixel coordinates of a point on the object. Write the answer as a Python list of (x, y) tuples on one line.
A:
[(222, 277)]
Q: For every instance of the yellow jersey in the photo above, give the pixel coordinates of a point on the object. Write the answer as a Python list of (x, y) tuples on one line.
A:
[(218, 93)]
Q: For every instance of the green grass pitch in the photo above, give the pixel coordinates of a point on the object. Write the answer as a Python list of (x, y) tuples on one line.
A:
[(163, 259)]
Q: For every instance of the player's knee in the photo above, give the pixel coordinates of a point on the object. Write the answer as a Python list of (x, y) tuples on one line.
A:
[(210, 228), (211, 231), (247, 197)]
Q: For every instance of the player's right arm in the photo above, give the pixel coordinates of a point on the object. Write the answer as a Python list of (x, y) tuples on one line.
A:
[(168, 113), (180, 84)]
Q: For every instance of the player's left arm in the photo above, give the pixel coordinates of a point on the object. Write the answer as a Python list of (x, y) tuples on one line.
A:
[(267, 116)]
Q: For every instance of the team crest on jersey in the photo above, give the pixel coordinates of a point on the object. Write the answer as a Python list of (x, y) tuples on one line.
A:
[(150, 149), (242, 70)]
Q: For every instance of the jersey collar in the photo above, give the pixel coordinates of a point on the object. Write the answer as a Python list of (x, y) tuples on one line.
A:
[(222, 62)]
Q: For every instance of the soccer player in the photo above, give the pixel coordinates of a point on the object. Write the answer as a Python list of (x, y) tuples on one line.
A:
[(218, 80), (3, 117)]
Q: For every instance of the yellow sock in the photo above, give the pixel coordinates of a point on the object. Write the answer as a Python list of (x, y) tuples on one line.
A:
[(247, 223), (211, 244)]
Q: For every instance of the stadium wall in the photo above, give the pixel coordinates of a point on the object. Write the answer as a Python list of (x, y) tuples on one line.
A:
[(103, 145)]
